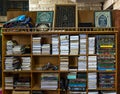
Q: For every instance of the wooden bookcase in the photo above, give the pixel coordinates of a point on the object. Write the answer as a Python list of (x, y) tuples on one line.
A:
[(25, 37)]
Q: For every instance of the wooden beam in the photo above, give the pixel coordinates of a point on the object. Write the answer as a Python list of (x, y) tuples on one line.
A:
[(108, 4), (116, 6)]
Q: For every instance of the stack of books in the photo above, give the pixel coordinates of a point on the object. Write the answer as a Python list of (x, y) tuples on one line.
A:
[(12, 63), (22, 82), (92, 62), (91, 45), (105, 44), (26, 63), (106, 63), (49, 81), (83, 44), (8, 82), (55, 46), (9, 63), (64, 44), (92, 80), (46, 48), (106, 50), (36, 45), (77, 83), (74, 44), (64, 62), (107, 80), (82, 80), (16, 63), (82, 63), (72, 75)]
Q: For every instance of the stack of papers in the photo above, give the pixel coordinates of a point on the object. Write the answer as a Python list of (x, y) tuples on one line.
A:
[(74, 44), (12, 63), (64, 44), (36, 49), (92, 80), (26, 63), (92, 62), (64, 62), (55, 42), (91, 45), (83, 44), (46, 49), (9, 63), (49, 81), (82, 63)]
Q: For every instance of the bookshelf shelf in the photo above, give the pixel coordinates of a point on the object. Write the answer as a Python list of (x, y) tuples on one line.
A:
[(102, 71), (17, 71), (43, 55), (46, 68), (91, 54), (37, 87), (22, 89), (106, 89), (49, 71), (20, 55)]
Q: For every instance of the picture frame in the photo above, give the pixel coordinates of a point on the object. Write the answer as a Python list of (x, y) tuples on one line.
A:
[(103, 19), (44, 19), (65, 15)]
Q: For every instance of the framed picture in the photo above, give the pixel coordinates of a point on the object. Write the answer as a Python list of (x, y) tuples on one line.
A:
[(103, 19), (65, 15), (44, 19)]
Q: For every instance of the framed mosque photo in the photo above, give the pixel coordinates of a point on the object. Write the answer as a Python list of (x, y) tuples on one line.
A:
[(44, 19), (103, 19)]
